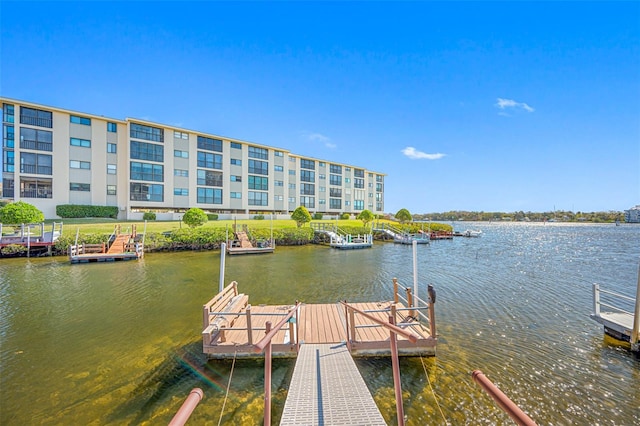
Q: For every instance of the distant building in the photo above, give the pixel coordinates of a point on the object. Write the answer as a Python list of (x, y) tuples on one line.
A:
[(52, 156), (632, 215)]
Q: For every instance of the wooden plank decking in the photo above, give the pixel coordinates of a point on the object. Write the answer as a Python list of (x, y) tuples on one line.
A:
[(316, 324)]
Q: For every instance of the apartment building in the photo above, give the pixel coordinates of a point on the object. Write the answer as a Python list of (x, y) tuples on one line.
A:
[(53, 156)]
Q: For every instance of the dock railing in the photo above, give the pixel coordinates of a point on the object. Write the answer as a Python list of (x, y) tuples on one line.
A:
[(610, 297), (265, 345), (416, 306), (503, 401)]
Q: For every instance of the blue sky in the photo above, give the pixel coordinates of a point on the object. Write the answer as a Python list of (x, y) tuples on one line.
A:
[(481, 106)]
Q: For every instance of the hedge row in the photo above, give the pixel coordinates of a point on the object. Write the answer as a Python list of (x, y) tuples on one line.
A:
[(81, 210)]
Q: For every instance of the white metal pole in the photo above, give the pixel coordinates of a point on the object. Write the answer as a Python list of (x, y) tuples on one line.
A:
[(223, 252), (415, 272)]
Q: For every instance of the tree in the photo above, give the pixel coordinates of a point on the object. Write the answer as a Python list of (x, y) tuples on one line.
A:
[(365, 216), (195, 217), (20, 212), (403, 216), (301, 215)]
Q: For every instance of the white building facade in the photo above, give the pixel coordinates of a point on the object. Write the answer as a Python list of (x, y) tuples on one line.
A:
[(632, 215), (52, 156)]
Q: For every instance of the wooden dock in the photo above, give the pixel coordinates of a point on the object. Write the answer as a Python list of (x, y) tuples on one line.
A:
[(242, 244), (122, 246), (327, 389), (231, 327)]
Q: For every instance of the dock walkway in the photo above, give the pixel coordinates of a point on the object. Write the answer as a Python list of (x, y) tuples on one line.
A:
[(327, 389)]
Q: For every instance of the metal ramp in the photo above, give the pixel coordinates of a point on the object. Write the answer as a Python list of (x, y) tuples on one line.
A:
[(327, 389)]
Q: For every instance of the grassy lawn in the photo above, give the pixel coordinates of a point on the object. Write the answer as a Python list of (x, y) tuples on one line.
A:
[(106, 226)]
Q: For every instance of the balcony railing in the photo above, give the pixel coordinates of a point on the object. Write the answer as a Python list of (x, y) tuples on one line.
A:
[(37, 145), (36, 121)]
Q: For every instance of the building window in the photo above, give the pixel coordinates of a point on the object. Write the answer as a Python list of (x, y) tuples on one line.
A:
[(358, 204), (237, 195), (347, 169), (347, 180), (8, 113), (307, 189), (292, 199), (378, 178), (111, 148), (41, 140), (292, 186), (209, 178), (236, 178), (181, 135), (347, 203), (292, 172), (278, 168), (180, 154), (258, 198), (261, 153), (307, 164), (147, 151), (8, 189), (379, 187), (307, 176), (36, 188), (359, 173), (321, 164), (146, 192), (111, 190), (85, 187), (278, 198), (36, 117), (258, 167), (236, 145), (278, 183), (278, 154), (333, 168), (358, 183), (322, 176), (335, 180), (236, 162), (181, 191), (209, 196), (81, 142), (259, 183), (181, 172), (308, 202), (8, 161), (370, 184), (81, 120), (335, 203), (39, 164), (209, 160), (8, 137), (322, 189), (112, 127), (139, 131), (322, 202), (209, 144), (335, 192), (75, 164), (111, 169), (378, 206), (147, 171)]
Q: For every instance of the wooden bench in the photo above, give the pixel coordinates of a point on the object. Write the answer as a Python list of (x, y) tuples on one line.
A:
[(229, 304)]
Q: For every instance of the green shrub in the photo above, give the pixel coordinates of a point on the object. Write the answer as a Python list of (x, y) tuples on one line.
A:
[(80, 210), (258, 217), (20, 212), (345, 216), (149, 216), (195, 217), (212, 216), (317, 216)]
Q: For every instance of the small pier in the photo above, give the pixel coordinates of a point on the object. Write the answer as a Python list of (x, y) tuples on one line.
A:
[(30, 237), (119, 246), (619, 321), (341, 240), (399, 236), (242, 244)]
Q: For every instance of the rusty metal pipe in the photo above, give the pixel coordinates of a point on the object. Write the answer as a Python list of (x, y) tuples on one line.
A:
[(397, 385), (259, 347), (508, 406), (189, 404)]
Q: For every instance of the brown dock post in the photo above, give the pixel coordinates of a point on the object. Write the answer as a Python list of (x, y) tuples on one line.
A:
[(432, 312), (291, 331), (267, 378), (395, 290), (352, 317), (347, 326), (394, 313), (249, 328), (412, 312), (397, 385)]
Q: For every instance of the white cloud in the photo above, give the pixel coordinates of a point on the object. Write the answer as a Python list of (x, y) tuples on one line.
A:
[(320, 138), (510, 103), (414, 154)]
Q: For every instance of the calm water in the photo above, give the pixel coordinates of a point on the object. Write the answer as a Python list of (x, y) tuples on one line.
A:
[(120, 343)]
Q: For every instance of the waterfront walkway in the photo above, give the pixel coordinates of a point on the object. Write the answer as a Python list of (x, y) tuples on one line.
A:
[(327, 389)]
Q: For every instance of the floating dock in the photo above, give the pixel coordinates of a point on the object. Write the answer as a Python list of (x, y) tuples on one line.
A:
[(341, 240), (120, 246), (231, 326), (242, 244), (31, 236)]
